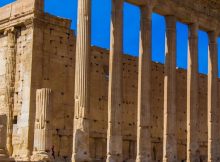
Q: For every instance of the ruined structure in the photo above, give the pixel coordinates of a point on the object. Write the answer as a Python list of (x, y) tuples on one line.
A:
[(62, 100)]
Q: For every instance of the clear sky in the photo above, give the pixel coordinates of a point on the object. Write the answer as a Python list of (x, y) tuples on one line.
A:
[(101, 30)]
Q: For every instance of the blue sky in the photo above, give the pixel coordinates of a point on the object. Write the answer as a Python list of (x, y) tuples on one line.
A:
[(101, 30)]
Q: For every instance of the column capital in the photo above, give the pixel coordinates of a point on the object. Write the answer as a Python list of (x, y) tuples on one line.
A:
[(193, 30), (118, 3), (9, 30), (146, 12), (149, 3), (212, 37), (170, 22), (29, 23)]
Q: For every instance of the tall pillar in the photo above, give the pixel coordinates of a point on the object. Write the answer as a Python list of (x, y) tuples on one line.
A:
[(81, 113), (192, 95), (144, 88), (42, 132), (114, 136), (212, 98), (10, 82), (169, 134)]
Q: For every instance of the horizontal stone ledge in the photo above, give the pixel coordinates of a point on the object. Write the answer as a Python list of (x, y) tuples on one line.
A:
[(183, 13)]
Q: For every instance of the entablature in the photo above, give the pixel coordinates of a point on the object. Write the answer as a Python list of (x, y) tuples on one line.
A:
[(206, 13)]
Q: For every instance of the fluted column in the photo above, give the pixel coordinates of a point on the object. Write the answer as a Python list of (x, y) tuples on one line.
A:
[(3, 132), (114, 135), (43, 130), (169, 134), (192, 95), (144, 88), (81, 113), (10, 82), (212, 98)]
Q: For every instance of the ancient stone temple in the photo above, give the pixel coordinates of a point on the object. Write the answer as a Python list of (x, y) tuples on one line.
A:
[(63, 100)]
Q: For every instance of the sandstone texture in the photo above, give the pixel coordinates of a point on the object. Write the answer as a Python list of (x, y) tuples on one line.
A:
[(63, 100)]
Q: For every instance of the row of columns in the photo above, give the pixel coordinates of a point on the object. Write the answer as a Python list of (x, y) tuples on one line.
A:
[(114, 136)]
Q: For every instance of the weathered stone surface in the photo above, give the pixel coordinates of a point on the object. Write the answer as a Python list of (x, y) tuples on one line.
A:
[(169, 130), (107, 122), (81, 132), (3, 133), (114, 133), (43, 129), (213, 113), (3, 136), (192, 95), (10, 83), (144, 88)]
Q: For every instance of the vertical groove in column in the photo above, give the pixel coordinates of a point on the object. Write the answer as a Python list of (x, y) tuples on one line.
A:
[(192, 95), (213, 155), (42, 132), (10, 83), (114, 136), (144, 88), (169, 134), (81, 113)]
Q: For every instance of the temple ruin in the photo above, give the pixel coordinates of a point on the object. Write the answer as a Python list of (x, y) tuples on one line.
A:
[(63, 100)]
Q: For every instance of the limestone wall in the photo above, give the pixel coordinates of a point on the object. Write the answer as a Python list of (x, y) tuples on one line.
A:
[(53, 67), (99, 88)]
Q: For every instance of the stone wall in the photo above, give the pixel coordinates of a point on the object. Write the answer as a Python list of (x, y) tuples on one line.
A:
[(53, 67), (99, 82)]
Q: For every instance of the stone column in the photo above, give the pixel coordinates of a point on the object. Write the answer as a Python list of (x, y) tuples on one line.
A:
[(10, 82), (81, 151), (43, 130), (3, 132), (212, 98), (169, 134), (144, 88), (192, 95), (114, 136)]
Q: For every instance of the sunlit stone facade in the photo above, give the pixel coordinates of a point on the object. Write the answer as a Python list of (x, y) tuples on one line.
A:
[(63, 100)]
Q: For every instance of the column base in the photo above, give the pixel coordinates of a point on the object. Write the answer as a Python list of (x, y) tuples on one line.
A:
[(4, 157), (3, 153), (23, 155), (114, 158), (166, 160), (41, 157), (142, 159), (77, 158)]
